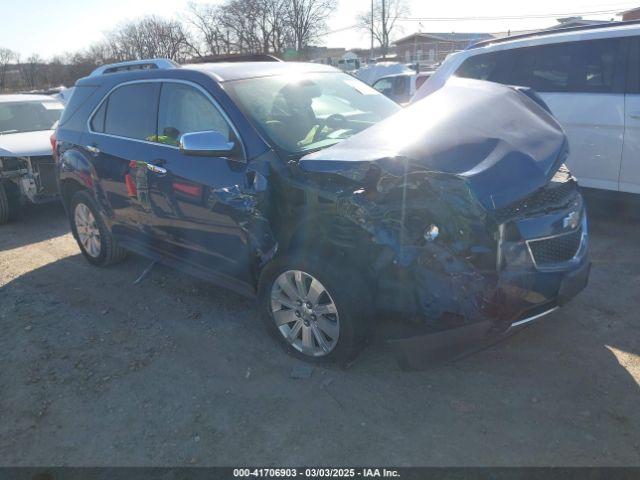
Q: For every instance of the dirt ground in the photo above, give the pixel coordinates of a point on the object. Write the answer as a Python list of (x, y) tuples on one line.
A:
[(96, 371)]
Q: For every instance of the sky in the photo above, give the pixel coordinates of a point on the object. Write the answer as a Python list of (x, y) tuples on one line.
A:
[(47, 27)]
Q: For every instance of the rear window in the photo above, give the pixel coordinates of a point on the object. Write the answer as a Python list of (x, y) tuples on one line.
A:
[(132, 111)]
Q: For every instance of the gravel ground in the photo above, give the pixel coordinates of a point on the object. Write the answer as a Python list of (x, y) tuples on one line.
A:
[(96, 371)]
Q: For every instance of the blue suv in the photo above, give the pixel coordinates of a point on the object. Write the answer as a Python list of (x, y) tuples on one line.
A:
[(307, 189)]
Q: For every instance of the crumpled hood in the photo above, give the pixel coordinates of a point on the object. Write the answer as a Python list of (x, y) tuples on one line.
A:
[(26, 144), (495, 138)]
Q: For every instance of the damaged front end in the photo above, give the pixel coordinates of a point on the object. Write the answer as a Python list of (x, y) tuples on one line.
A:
[(475, 228), (33, 178)]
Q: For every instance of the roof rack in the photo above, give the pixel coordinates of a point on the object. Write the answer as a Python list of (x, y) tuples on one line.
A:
[(236, 57), (152, 64), (542, 33)]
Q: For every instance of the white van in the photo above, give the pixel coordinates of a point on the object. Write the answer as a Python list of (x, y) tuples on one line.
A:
[(590, 79)]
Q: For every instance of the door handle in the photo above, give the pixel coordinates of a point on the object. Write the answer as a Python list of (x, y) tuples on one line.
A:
[(635, 115), (156, 169), (93, 149)]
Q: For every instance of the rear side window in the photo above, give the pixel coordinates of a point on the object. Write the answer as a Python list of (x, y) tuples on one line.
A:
[(420, 81), (594, 66), (184, 109), (97, 122), (493, 66), (131, 111)]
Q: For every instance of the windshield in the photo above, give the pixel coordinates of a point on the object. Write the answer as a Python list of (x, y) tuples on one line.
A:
[(315, 111), (31, 116)]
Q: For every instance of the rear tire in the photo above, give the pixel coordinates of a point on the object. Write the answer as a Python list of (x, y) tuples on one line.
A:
[(5, 208), (301, 320), (91, 232)]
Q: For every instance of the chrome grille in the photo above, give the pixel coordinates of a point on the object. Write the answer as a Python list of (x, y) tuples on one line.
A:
[(554, 250)]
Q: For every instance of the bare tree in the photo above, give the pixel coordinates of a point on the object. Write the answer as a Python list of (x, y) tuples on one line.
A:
[(209, 30), (32, 72), (381, 22), (7, 58), (148, 38), (307, 20)]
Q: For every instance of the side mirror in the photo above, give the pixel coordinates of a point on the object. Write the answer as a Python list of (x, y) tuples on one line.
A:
[(206, 144)]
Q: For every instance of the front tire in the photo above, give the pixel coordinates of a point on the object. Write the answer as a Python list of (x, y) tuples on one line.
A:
[(315, 310), (5, 209), (90, 231)]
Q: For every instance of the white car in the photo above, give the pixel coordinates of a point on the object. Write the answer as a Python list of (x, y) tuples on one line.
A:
[(400, 87), (590, 79), (27, 168), (372, 73)]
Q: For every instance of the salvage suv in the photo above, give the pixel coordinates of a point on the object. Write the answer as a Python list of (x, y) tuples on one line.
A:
[(27, 169), (304, 187)]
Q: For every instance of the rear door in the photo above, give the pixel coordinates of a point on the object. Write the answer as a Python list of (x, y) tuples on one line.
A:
[(630, 168), (583, 84), (118, 143)]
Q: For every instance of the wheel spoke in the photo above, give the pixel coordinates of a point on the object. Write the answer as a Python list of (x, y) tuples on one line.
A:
[(320, 340), (326, 309), (287, 287), (295, 330), (328, 327), (281, 299), (307, 339), (315, 290), (283, 317), (302, 289)]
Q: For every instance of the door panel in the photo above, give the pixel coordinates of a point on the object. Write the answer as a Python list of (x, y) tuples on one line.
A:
[(630, 169), (119, 141), (197, 207), (196, 201), (594, 123)]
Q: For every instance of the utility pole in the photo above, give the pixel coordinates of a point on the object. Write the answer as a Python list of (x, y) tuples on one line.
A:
[(384, 31), (371, 53)]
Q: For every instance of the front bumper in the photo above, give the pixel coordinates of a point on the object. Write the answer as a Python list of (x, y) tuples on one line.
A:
[(480, 308)]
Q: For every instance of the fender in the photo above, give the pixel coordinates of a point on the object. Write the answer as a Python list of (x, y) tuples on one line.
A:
[(74, 167)]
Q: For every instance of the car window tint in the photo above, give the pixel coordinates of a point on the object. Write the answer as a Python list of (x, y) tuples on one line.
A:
[(551, 68), (493, 66), (97, 122), (384, 85), (420, 81), (478, 67), (132, 111), (185, 109), (588, 66), (600, 59)]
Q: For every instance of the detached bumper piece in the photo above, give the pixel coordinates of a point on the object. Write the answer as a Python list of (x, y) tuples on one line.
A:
[(436, 349)]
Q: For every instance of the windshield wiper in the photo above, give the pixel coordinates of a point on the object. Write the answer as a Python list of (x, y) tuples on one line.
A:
[(8, 131)]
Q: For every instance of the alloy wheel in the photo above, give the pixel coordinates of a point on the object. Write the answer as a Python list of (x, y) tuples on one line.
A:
[(305, 314), (87, 230)]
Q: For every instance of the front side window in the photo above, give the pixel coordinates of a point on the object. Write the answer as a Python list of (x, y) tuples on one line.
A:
[(131, 111), (305, 113), (184, 109), (29, 116), (384, 86)]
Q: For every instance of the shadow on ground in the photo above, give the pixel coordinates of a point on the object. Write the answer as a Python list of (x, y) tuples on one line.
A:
[(174, 371)]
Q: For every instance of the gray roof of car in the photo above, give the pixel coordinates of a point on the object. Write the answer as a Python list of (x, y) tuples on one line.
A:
[(224, 72), (23, 97)]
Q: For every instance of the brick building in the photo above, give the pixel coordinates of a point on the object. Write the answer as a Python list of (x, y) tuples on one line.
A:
[(430, 48), (633, 14)]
